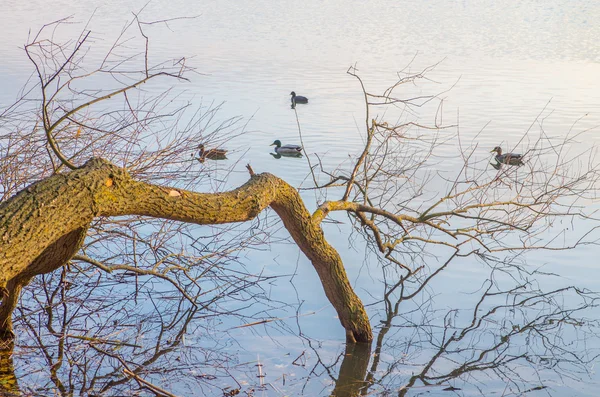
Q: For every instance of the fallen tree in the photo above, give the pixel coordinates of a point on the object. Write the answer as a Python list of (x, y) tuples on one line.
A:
[(44, 225)]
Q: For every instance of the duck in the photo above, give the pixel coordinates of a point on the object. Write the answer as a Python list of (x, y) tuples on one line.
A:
[(298, 98), (211, 154), (287, 149), (507, 158)]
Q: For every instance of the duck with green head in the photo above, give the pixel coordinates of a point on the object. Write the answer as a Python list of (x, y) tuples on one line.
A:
[(286, 149)]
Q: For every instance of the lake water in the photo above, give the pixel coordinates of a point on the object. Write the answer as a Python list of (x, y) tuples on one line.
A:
[(505, 71)]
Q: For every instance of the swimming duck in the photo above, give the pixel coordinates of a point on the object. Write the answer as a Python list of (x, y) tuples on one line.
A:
[(298, 98), (507, 158), (286, 148), (211, 154)]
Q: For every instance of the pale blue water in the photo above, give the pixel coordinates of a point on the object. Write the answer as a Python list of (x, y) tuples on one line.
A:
[(505, 64)]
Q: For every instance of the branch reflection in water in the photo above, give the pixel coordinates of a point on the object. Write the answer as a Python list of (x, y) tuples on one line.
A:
[(515, 339), (511, 338), (126, 333)]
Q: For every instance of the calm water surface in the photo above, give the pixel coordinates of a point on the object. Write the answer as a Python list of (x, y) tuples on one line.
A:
[(506, 64)]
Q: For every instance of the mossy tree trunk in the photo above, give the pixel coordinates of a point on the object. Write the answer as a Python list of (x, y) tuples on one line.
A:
[(44, 225)]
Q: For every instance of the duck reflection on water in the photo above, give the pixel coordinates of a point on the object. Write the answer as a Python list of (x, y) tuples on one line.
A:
[(280, 155)]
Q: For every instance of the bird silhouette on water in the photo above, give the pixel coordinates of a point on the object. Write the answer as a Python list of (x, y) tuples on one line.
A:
[(297, 99)]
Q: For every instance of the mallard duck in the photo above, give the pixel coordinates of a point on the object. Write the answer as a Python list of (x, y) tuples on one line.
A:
[(286, 148), (298, 99), (507, 158), (211, 154)]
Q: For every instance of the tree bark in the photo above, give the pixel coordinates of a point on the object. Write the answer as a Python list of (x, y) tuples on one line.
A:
[(52, 257), (42, 226)]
